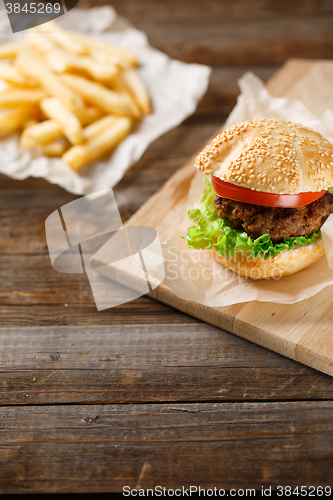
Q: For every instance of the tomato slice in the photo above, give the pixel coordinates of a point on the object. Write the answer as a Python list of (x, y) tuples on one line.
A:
[(246, 195)]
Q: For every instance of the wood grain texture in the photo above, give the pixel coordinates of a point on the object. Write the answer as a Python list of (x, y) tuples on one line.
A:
[(33, 294), (155, 363), (308, 77), (110, 446), (222, 32), (154, 10), (281, 328), (143, 311)]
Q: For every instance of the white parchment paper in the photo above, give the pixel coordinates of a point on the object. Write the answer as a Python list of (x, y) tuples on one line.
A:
[(195, 275), (175, 89)]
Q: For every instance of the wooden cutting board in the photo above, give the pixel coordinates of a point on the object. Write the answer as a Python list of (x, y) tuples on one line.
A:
[(301, 331)]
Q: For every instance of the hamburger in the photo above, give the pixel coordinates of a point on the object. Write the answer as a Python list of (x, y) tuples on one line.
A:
[(268, 192)]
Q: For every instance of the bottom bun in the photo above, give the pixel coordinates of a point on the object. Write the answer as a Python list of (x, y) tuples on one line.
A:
[(287, 262)]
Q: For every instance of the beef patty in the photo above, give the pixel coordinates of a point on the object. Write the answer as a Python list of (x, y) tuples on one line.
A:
[(278, 222)]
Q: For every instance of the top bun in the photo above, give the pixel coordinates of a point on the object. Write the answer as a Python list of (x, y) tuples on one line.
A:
[(272, 156)]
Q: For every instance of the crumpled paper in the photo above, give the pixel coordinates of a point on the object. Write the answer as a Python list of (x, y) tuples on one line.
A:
[(195, 275), (175, 89)]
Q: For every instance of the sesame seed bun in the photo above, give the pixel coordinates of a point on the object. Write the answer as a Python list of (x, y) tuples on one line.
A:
[(271, 156), (284, 264)]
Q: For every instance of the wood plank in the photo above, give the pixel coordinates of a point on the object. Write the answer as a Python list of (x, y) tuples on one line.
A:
[(154, 10), (155, 363), (234, 32), (247, 39), (254, 321), (33, 294), (142, 446), (142, 311), (307, 76), (33, 281), (223, 90), (23, 214)]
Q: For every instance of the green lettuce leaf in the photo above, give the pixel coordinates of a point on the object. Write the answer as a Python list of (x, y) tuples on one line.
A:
[(330, 190), (209, 228)]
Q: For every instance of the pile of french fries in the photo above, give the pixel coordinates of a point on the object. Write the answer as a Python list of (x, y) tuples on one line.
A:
[(72, 96)]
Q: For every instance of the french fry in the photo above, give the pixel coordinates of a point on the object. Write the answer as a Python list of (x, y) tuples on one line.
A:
[(41, 43), (60, 62), (36, 69), (30, 123), (11, 121), (119, 86), (98, 127), (138, 89), (90, 114), (11, 74), (108, 58), (106, 99), (55, 149), (94, 45), (20, 97), (78, 156), (98, 70), (10, 50), (62, 38), (69, 123), (37, 134), (41, 134)]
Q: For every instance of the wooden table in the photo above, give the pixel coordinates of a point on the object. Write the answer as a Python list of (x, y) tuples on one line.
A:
[(143, 395)]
